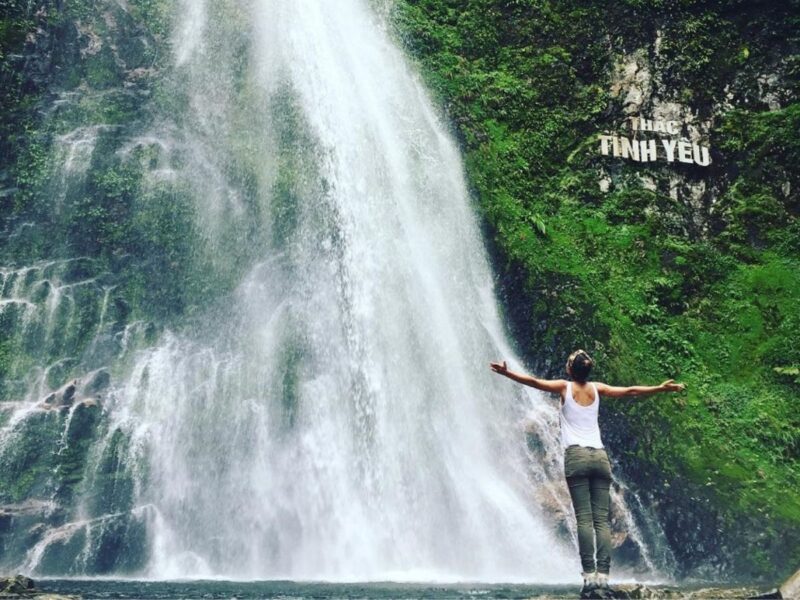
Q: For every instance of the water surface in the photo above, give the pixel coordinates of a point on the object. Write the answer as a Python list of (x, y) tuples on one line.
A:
[(91, 589)]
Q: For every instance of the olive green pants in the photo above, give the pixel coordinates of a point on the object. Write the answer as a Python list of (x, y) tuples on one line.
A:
[(588, 474)]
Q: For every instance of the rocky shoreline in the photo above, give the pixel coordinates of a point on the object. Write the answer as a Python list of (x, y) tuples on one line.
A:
[(636, 591), (20, 586), (790, 589)]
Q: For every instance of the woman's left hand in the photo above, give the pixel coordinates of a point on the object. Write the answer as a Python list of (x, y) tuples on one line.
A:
[(670, 386)]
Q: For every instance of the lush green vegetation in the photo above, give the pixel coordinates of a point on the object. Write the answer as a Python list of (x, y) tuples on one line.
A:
[(87, 75), (653, 285)]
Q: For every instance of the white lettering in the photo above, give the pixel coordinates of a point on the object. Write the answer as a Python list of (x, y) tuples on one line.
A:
[(669, 148), (629, 149), (685, 151), (647, 151), (658, 148), (703, 160), (604, 139)]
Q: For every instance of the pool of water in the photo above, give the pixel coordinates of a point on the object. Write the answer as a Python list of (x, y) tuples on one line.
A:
[(291, 590), (90, 589)]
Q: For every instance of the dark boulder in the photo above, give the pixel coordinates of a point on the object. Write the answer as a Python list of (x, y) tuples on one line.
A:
[(18, 584)]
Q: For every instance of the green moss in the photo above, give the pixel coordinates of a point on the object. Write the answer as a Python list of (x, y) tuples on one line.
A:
[(113, 487), (156, 15), (101, 69), (28, 462)]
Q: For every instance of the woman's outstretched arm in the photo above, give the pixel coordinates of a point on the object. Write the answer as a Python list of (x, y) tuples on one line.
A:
[(555, 386), (611, 391)]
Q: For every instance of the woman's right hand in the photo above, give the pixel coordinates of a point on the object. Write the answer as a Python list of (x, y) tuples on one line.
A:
[(670, 386), (501, 368)]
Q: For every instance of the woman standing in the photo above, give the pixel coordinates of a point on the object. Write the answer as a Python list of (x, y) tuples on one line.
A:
[(586, 466)]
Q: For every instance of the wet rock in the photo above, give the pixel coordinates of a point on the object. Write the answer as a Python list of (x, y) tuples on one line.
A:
[(791, 587), (721, 593), (83, 391), (627, 550), (20, 586), (24, 521), (636, 591), (626, 591), (29, 507), (96, 382), (61, 398)]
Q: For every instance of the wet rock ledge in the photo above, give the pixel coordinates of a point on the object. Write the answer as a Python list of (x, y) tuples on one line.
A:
[(20, 586), (789, 589), (639, 591)]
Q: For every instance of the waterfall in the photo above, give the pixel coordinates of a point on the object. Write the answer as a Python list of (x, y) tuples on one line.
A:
[(343, 422), (333, 415)]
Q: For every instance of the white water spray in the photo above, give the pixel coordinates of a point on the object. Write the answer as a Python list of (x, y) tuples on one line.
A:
[(344, 423)]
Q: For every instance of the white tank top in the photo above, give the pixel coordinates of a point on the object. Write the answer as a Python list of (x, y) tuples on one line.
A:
[(579, 423)]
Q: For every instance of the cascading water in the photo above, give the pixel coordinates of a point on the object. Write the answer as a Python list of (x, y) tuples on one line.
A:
[(345, 423), (334, 416)]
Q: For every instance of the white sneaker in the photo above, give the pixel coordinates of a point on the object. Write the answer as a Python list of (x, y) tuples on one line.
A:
[(601, 580), (589, 582)]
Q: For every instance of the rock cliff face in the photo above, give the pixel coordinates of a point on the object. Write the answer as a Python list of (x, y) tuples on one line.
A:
[(77, 276), (660, 269)]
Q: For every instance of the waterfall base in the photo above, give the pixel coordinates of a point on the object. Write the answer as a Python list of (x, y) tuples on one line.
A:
[(148, 589)]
